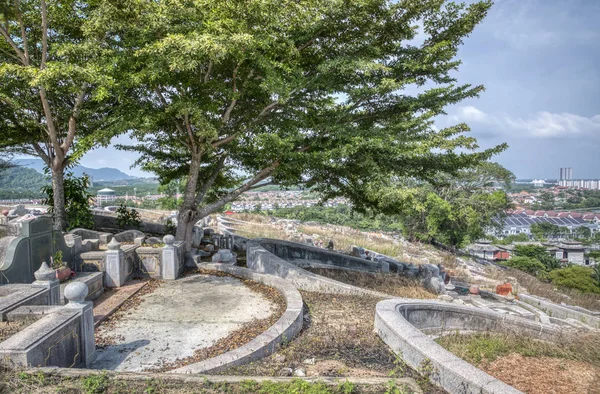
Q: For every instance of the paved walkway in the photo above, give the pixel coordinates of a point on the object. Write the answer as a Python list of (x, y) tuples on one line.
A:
[(177, 318), (112, 299)]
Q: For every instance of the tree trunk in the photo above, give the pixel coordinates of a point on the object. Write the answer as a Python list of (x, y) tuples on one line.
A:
[(188, 213), (58, 191)]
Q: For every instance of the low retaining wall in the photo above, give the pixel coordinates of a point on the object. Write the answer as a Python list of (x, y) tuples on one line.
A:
[(402, 324), (559, 311), (16, 295), (286, 328), (261, 260), (61, 336), (53, 340), (296, 252)]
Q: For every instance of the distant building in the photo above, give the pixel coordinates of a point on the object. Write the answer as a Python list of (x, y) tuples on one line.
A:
[(105, 195), (566, 174), (538, 182)]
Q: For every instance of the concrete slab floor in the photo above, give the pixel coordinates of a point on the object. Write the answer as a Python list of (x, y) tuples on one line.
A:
[(178, 318)]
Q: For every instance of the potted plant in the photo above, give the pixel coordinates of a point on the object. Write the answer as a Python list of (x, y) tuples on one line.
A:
[(62, 271)]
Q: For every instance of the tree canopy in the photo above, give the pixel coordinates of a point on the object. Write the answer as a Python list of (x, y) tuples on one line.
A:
[(335, 95), (54, 84)]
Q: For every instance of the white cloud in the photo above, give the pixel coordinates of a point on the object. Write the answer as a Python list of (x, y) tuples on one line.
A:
[(471, 114), (539, 125), (547, 124)]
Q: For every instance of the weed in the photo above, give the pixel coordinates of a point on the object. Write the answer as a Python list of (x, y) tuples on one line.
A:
[(95, 384)]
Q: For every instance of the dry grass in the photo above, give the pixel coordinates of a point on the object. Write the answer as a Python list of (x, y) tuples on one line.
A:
[(570, 364), (338, 334), (387, 283), (547, 290), (343, 238), (9, 328)]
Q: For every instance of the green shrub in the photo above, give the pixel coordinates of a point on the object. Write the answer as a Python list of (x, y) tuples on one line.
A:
[(77, 201), (575, 277), (526, 264), (128, 217), (539, 253)]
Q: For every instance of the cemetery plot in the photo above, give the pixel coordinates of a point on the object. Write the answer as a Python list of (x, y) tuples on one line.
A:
[(177, 319)]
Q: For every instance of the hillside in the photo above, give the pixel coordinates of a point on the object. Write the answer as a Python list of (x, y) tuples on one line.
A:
[(21, 182), (96, 174)]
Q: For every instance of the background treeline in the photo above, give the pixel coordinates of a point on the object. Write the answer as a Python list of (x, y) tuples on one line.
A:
[(21, 182)]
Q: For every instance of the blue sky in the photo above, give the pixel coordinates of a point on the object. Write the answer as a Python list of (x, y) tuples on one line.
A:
[(540, 63)]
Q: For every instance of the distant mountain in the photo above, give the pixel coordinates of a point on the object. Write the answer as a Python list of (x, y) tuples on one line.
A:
[(97, 174), (21, 182)]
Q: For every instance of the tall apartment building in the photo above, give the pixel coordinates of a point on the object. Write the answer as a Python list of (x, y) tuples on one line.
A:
[(566, 174)]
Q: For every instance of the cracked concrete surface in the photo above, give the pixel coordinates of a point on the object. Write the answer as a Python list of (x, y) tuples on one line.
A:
[(178, 318)]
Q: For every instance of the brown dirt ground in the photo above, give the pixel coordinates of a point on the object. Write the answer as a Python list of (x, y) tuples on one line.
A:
[(338, 334), (545, 375)]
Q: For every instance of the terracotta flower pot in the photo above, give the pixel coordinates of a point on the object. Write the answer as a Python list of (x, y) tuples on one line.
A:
[(63, 273)]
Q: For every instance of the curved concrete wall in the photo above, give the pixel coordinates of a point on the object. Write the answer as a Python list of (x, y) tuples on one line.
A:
[(261, 260), (402, 324), (305, 254), (560, 311), (286, 328)]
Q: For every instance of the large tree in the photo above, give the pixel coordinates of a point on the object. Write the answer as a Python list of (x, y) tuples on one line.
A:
[(330, 94), (53, 89), (450, 209)]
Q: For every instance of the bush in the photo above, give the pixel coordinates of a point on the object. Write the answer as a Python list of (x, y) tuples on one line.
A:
[(128, 217), (575, 277), (526, 264), (539, 253), (77, 201)]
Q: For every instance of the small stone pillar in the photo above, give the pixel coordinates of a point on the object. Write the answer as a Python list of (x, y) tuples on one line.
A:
[(46, 277), (115, 260), (75, 293), (170, 260)]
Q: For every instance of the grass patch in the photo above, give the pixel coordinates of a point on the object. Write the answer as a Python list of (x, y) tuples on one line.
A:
[(481, 348), (38, 383), (391, 284)]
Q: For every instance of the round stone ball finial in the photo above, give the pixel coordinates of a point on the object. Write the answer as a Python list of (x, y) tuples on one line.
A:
[(76, 292), (169, 239), (45, 273), (113, 244)]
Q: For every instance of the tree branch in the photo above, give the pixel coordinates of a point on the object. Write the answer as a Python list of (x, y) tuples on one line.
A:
[(208, 71), (13, 45), (23, 34), (210, 181), (261, 185), (227, 115), (41, 153), (163, 101), (44, 34), (264, 173), (73, 119)]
